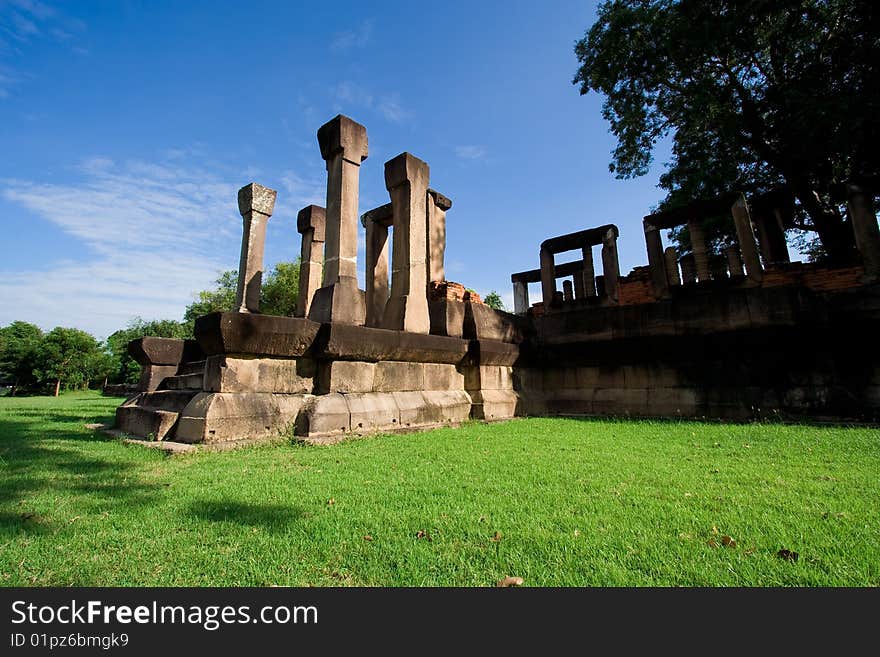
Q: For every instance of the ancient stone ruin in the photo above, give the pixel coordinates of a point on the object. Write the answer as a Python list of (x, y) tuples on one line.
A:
[(748, 335)]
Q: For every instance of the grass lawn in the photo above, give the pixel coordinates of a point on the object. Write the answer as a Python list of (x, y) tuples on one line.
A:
[(562, 502)]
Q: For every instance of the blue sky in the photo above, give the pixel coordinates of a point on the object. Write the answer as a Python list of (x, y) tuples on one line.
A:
[(128, 127)]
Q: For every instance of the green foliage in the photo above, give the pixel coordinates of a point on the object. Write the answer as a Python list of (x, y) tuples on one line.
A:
[(611, 503), (493, 300), (753, 93), (18, 349), (123, 368), (278, 293), (70, 358), (280, 289)]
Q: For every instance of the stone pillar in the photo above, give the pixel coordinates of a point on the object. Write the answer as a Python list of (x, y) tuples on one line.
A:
[(656, 261), (588, 276), (860, 205), (610, 265), (701, 251), (344, 146), (746, 238), (771, 237), (255, 203), (671, 258), (406, 178), (377, 266), (436, 235), (567, 290), (520, 297), (734, 264), (310, 224), (579, 291), (548, 278), (688, 269)]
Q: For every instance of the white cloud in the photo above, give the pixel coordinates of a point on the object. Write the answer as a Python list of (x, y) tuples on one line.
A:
[(390, 108), (348, 94), (471, 152), (152, 233), (357, 37)]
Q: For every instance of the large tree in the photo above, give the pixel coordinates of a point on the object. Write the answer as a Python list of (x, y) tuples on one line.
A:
[(18, 348), (754, 94), (69, 357)]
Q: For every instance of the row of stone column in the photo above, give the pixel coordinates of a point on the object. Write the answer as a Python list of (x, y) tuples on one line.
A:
[(328, 276)]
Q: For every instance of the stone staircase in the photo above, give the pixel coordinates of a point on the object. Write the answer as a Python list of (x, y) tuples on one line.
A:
[(154, 415)]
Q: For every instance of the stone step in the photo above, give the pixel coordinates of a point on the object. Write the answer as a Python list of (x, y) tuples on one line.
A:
[(192, 367), (183, 382), (146, 422), (166, 400)]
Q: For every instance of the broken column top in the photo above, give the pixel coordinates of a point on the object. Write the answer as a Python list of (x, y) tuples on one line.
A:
[(572, 241), (382, 215), (314, 217), (442, 202), (342, 134), (256, 198), (404, 167)]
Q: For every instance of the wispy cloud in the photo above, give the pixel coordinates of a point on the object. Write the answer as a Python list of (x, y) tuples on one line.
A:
[(471, 152), (357, 37), (151, 234), (349, 94)]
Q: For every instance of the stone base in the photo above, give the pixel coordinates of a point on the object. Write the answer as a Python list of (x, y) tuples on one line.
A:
[(221, 416), (341, 303), (407, 313)]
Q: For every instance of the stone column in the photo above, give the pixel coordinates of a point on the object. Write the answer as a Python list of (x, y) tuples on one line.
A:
[(376, 225), (255, 203), (436, 230), (344, 146), (671, 258), (860, 204), (520, 297), (701, 252), (310, 224), (579, 291), (589, 274), (734, 264), (548, 278), (771, 236), (610, 265), (746, 238), (656, 260), (567, 290), (406, 178), (688, 269)]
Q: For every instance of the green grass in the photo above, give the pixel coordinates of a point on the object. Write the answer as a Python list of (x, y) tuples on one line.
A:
[(556, 501)]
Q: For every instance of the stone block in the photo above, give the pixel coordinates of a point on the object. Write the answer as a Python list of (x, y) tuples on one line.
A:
[(341, 302), (249, 333), (324, 415), (453, 406), (151, 423), (620, 401), (414, 411), (344, 376), (373, 411), (484, 323), (674, 402), (156, 351), (394, 376), (493, 404), (340, 341), (220, 416), (488, 377), (492, 352), (152, 376), (447, 317), (586, 378), (230, 374), (528, 379), (443, 376)]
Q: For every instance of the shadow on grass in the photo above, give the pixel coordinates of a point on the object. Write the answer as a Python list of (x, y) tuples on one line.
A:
[(38, 460), (274, 517)]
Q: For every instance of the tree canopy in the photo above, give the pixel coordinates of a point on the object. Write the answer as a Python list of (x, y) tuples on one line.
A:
[(754, 94), (18, 349), (493, 300)]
